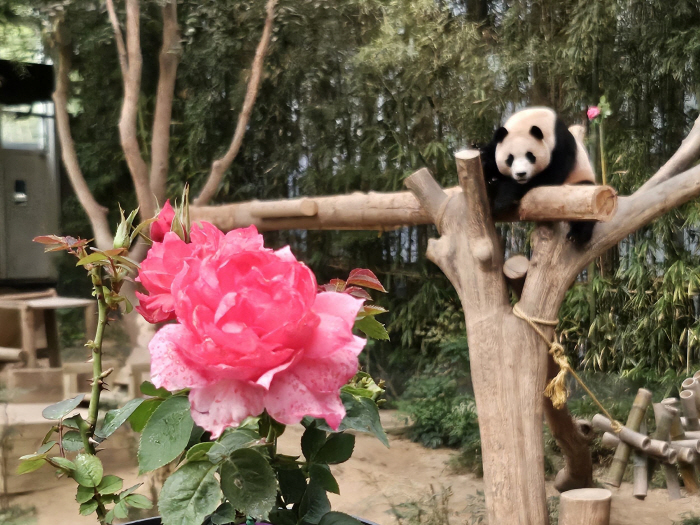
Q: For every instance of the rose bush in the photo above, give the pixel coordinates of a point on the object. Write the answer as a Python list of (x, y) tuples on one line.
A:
[(255, 344), (253, 333)]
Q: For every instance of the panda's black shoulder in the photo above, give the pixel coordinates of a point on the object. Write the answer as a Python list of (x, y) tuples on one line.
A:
[(563, 159), (488, 161)]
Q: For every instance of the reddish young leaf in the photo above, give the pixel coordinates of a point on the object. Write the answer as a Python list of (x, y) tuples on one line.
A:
[(358, 292), (49, 239), (336, 285), (365, 278)]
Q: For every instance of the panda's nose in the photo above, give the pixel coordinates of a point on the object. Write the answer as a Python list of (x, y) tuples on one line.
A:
[(521, 174)]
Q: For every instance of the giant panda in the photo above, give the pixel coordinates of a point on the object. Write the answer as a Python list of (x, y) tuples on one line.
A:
[(535, 148)]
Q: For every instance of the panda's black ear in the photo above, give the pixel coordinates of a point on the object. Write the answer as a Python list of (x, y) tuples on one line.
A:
[(536, 132), (500, 135)]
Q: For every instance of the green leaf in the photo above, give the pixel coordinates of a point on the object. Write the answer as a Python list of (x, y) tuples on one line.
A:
[(128, 491), (166, 434), (110, 484), (116, 418), (143, 413), (84, 494), (314, 505), (46, 447), (65, 464), (230, 442), (372, 328), (292, 484), (338, 518), (30, 465), (138, 501), (361, 414), (72, 441), (321, 474), (311, 441), (199, 451), (62, 408), (72, 422), (224, 515), (338, 449), (120, 510), (149, 389), (88, 470), (109, 517), (92, 258), (88, 507), (249, 483), (189, 495)]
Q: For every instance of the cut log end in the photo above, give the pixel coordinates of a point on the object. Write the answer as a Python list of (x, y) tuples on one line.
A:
[(585, 507), (468, 154), (516, 267)]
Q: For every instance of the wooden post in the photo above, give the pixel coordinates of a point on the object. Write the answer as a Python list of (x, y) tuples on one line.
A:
[(515, 270), (28, 340), (622, 454), (585, 507), (52, 346)]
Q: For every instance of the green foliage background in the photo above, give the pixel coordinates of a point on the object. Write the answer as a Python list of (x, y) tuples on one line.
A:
[(359, 93)]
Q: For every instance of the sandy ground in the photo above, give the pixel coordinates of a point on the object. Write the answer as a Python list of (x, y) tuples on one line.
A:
[(377, 479)]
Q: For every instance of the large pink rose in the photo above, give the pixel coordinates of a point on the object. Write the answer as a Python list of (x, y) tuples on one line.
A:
[(252, 332)]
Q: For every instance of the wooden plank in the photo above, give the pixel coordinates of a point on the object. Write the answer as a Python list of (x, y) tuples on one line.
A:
[(51, 328)]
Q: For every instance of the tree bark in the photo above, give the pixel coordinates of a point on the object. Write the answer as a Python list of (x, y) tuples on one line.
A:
[(388, 211), (220, 166), (130, 106), (160, 138), (508, 379), (96, 213)]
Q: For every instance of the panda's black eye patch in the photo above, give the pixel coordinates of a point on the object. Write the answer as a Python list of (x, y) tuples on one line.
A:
[(509, 160), (531, 157)]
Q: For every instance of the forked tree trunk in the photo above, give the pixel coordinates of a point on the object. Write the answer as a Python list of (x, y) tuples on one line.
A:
[(508, 358)]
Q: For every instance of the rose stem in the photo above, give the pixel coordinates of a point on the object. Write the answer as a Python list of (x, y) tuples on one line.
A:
[(87, 429)]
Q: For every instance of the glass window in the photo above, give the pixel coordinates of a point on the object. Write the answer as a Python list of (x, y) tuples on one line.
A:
[(25, 127)]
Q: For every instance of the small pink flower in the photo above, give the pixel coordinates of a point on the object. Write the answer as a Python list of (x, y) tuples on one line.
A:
[(165, 220), (593, 112), (252, 331)]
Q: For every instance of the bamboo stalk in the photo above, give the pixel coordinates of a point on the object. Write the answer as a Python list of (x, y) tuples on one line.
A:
[(641, 470), (664, 417), (634, 421), (688, 402), (625, 435)]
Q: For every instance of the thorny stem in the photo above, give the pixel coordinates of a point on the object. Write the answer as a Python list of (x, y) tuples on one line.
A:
[(96, 275)]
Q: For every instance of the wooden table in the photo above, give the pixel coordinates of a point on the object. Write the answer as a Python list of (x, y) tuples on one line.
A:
[(28, 305)]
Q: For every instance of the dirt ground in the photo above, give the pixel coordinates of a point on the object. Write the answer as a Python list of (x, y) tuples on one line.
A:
[(377, 479)]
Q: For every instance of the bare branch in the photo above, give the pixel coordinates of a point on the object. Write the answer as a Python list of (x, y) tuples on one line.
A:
[(127, 121), (121, 49), (682, 159), (219, 166), (97, 214), (160, 139)]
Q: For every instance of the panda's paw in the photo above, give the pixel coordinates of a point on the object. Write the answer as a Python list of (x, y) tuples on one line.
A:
[(580, 232)]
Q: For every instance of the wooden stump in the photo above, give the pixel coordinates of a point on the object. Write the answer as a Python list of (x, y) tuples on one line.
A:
[(585, 507)]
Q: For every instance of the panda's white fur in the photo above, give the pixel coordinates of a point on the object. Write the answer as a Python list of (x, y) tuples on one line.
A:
[(519, 142)]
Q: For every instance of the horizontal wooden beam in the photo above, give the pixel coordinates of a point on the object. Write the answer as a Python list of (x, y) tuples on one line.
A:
[(388, 211)]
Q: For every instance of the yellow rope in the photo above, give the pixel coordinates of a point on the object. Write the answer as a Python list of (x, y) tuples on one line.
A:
[(556, 389)]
